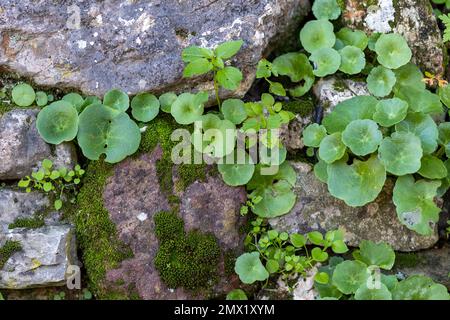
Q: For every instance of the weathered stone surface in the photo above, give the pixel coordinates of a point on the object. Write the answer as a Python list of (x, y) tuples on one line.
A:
[(317, 210), (414, 19), (45, 256), (209, 206), (331, 91), (291, 134), (22, 149), (16, 204), (434, 263), (135, 45)]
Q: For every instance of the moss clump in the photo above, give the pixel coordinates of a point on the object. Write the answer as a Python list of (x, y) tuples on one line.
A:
[(29, 223), (7, 250), (301, 107), (407, 260), (159, 132), (185, 260), (96, 233)]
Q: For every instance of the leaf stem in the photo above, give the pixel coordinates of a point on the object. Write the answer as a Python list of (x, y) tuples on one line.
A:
[(216, 88)]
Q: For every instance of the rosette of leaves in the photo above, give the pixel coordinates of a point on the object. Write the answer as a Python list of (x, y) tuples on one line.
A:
[(239, 172), (297, 67), (353, 60), (275, 191), (326, 61), (355, 38), (145, 107), (58, 122), (415, 204), (359, 107), (380, 81), (23, 95), (317, 34), (326, 9), (356, 184), (214, 136), (392, 50), (188, 107), (105, 130)]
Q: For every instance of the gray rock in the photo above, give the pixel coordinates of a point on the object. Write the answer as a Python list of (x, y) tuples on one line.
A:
[(414, 19), (45, 256), (434, 263), (94, 46), (16, 204), (22, 149), (331, 91), (317, 210)]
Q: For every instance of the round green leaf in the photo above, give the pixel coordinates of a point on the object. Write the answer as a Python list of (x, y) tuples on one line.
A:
[(444, 137), (313, 135), (356, 184), (145, 107), (75, 100), (317, 34), (272, 266), (424, 127), (359, 107), (362, 137), (236, 294), (356, 38), (188, 108), (234, 110), (104, 130), (319, 255), (409, 77), (297, 240), (250, 269), (348, 276), (228, 49), (381, 293), (239, 173), (277, 199), (23, 95), (332, 148), (326, 9), (419, 287), (353, 60), (322, 277), (320, 171), (414, 203), (444, 95), (41, 99), (432, 168), (390, 111), (392, 50), (326, 61), (401, 153), (376, 254), (166, 100), (117, 99), (58, 122), (229, 77), (380, 81)]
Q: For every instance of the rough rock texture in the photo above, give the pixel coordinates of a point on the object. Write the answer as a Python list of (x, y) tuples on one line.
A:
[(291, 134), (22, 149), (434, 263), (210, 206), (46, 253), (331, 91), (135, 45), (17, 204), (317, 210), (414, 19)]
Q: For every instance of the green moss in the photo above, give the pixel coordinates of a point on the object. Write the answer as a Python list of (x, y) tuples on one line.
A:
[(96, 233), (29, 223), (7, 250), (159, 132), (407, 260), (185, 260), (341, 4), (229, 261), (303, 107)]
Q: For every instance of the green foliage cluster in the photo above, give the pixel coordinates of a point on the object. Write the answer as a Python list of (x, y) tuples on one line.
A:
[(282, 254), (7, 250), (361, 278), (28, 223), (189, 260), (365, 139), (53, 181)]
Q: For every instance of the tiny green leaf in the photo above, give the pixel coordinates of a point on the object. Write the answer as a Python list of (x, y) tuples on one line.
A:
[(23, 95)]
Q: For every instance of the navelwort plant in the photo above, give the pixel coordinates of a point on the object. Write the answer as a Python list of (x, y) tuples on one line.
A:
[(54, 181)]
